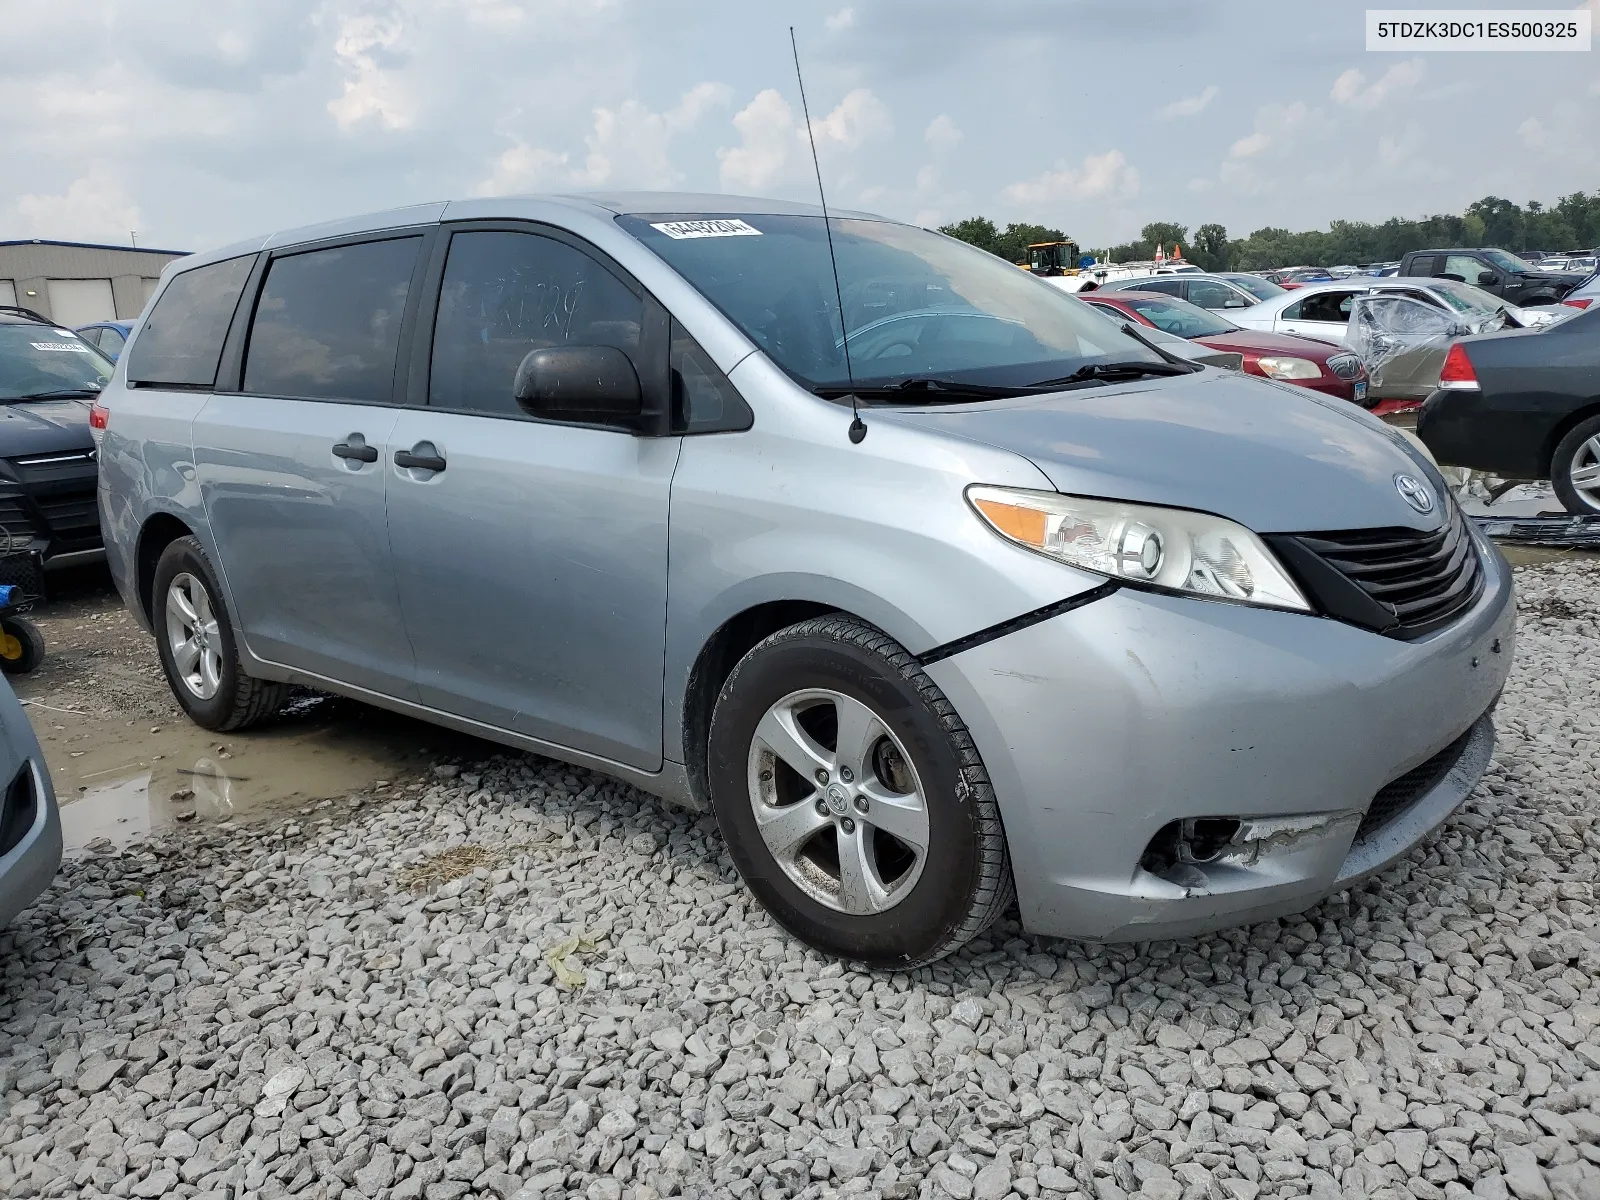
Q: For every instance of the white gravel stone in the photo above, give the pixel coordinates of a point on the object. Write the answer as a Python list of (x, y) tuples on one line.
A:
[(267, 1010)]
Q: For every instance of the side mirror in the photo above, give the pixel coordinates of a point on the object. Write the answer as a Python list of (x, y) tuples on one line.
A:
[(1485, 278), (591, 385)]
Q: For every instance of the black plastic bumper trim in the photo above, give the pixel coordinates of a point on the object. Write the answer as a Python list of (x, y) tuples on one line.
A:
[(950, 649)]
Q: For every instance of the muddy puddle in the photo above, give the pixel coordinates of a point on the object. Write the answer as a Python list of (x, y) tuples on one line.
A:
[(119, 780)]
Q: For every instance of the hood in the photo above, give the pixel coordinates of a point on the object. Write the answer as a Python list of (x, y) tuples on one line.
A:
[(1275, 458), (1253, 342), (44, 426)]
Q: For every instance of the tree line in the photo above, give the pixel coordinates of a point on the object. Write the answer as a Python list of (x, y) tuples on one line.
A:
[(1573, 222)]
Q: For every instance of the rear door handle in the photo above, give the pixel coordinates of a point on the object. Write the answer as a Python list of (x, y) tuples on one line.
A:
[(418, 462), (360, 451)]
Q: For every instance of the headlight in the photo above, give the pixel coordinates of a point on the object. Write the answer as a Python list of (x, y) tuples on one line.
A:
[(1290, 368), (1168, 548)]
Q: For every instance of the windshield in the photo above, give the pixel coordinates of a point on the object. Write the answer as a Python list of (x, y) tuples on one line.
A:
[(1261, 289), (38, 359), (918, 305), (1508, 262), (1179, 316)]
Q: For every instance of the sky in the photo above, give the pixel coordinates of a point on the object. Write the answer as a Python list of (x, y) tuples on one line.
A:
[(199, 122)]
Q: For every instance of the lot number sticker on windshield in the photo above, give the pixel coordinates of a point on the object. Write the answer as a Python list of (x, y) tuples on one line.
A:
[(704, 229), (68, 347)]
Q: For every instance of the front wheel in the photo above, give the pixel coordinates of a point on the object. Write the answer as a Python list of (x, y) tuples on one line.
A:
[(199, 651), (852, 798), (1575, 468)]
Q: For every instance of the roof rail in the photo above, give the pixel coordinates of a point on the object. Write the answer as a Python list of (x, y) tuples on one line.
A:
[(27, 312)]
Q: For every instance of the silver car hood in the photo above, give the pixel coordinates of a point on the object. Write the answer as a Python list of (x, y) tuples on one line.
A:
[(1276, 458)]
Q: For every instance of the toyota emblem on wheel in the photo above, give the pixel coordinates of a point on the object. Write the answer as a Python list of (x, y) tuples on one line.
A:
[(1414, 492)]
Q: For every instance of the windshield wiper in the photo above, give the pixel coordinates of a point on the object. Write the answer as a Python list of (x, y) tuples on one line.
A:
[(55, 394), (1113, 371), (926, 388)]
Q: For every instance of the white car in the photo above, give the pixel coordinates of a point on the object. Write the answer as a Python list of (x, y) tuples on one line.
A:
[(1322, 310)]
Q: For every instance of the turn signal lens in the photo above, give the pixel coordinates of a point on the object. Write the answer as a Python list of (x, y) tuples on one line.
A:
[(1582, 302), (1457, 373)]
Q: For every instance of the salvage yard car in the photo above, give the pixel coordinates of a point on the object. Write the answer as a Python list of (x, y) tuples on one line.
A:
[(48, 376), (1524, 404), (30, 823), (1003, 602)]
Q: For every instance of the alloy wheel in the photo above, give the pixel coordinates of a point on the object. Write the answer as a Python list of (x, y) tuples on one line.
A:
[(194, 636), (838, 801), (1585, 472)]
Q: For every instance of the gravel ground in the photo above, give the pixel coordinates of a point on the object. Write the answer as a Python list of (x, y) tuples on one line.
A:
[(515, 979)]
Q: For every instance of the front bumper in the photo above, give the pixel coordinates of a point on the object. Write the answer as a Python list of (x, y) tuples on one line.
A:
[(27, 868), (1103, 726)]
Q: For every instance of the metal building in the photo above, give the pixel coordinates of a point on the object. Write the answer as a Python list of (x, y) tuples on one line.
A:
[(74, 283)]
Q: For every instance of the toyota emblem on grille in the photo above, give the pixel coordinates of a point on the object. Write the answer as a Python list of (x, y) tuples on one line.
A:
[(1414, 492)]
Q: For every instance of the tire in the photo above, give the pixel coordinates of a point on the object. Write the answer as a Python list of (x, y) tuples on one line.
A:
[(212, 687), (903, 906), (1578, 452), (21, 645)]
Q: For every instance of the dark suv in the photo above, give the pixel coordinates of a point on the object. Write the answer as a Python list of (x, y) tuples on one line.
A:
[(1511, 278), (49, 376)]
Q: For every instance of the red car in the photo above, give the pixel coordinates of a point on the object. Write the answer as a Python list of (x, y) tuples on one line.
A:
[(1282, 356)]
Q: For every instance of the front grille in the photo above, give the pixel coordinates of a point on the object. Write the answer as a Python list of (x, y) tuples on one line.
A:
[(14, 520), (1394, 797), (71, 515), (1345, 366), (1406, 583)]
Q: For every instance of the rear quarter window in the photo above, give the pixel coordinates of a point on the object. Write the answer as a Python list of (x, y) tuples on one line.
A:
[(180, 343)]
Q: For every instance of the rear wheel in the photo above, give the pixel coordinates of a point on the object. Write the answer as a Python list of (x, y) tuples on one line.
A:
[(1575, 468), (199, 651), (852, 798)]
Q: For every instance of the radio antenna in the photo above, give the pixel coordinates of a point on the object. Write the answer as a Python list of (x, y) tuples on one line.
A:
[(858, 427)]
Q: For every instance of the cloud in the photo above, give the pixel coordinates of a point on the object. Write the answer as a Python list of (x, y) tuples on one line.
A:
[(1401, 150), (629, 146), (840, 21), (1190, 105), (1105, 176), (95, 207), (1250, 145), (766, 131), (942, 134), (858, 118), (1273, 123), (1352, 90), (370, 91), (772, 141)]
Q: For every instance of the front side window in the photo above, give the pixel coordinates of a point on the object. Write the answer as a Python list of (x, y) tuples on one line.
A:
[(1208, 293), (506, 294), (1332, 307), (40, 361), (917, 305), (327, 326), (704, 400), (180, 342), (1466, 267)]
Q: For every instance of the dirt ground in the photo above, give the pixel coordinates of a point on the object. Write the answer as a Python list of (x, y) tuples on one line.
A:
[(125, 759)]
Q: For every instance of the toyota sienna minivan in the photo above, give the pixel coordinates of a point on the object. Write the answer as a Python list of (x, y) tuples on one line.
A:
[(963, 593)]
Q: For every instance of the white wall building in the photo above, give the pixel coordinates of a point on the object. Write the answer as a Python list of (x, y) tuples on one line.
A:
[(74, 283)]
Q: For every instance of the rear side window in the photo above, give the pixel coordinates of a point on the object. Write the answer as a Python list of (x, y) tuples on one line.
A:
[(181, 340), (327, 326), (505, 294), (1172, 287)]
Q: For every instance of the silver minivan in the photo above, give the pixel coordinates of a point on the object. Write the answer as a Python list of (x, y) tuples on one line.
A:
[(985, 597)]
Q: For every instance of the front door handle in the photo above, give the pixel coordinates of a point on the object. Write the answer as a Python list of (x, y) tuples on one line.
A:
[(359, 451), (418, 462)]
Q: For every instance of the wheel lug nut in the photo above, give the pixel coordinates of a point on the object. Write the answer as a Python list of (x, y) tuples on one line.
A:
[(847, 825), (861, 804), (822, 776), (766, 777), (846, 774), (822, 807)]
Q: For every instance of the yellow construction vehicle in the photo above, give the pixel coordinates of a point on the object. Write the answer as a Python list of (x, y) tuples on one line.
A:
[(1052, 258)]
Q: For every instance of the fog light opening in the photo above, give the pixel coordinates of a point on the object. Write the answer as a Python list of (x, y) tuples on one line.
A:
[(1195, 840)]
